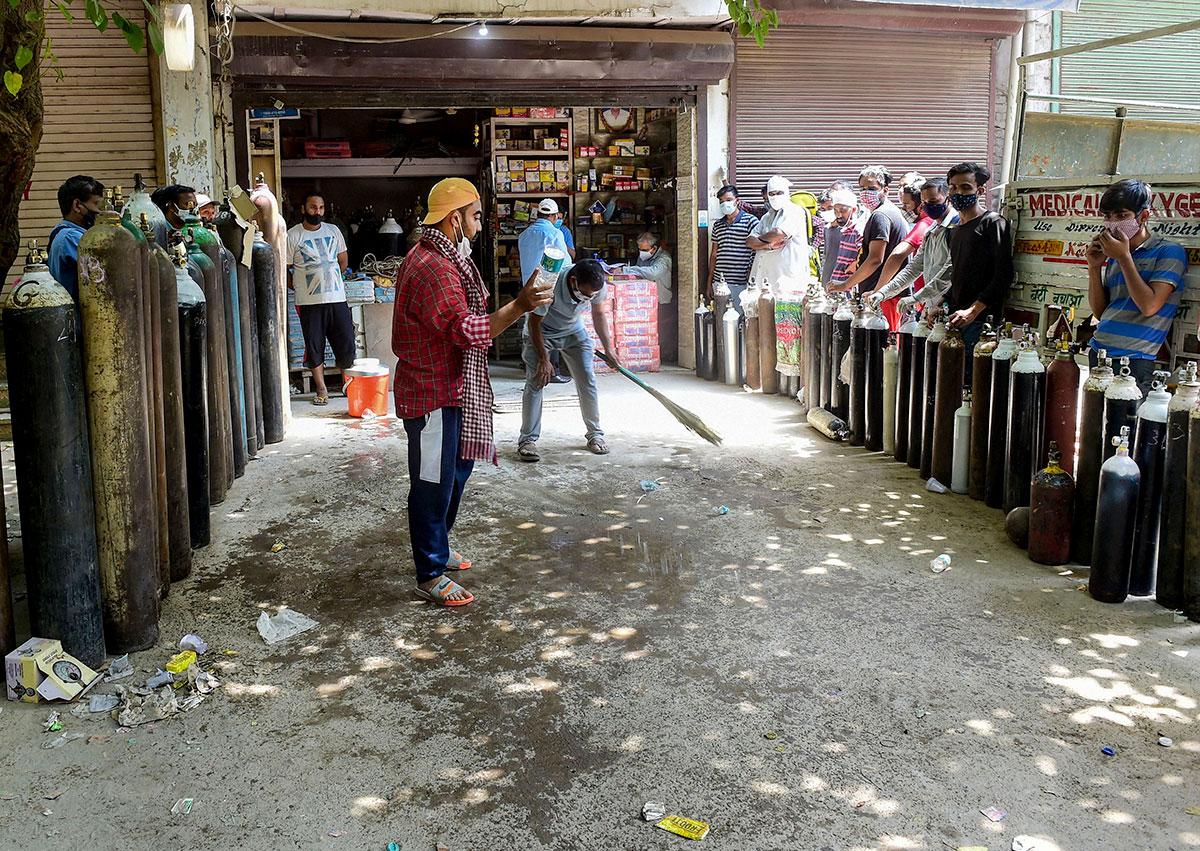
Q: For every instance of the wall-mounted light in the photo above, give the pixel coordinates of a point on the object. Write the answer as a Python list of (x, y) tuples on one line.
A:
[(483, 30), (179, 36)]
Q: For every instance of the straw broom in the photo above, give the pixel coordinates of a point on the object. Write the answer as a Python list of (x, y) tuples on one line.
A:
[(686, 418)]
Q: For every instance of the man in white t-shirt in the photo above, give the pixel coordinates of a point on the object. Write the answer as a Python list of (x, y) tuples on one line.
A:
[(780, 239), (317, 257)]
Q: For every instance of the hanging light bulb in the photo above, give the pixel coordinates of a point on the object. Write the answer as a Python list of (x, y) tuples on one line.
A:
[(483, 30), (179, 36)]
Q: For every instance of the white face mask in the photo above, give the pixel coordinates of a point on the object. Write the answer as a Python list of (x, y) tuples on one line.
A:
[(728, 208), (776, 201), (643, 256), (827, 216), (464, 247)]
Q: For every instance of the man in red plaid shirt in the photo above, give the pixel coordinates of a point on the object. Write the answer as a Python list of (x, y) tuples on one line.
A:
[(441, 332)]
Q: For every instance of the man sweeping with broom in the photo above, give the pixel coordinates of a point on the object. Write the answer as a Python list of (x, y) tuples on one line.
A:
[(559, 327)]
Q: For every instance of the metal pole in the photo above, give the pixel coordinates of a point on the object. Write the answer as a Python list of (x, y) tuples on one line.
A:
[(1130, 38)]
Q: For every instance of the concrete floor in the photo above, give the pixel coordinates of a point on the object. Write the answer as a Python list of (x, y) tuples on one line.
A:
[(792, 672)]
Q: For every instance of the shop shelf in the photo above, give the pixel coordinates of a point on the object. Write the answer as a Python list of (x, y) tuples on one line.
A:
[(383, 167)]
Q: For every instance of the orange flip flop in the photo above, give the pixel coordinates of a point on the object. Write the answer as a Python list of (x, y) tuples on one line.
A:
[(439, 594), (457, 562)]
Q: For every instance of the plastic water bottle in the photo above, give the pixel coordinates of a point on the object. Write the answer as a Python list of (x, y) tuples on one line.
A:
[(940, 564), (548, 270)]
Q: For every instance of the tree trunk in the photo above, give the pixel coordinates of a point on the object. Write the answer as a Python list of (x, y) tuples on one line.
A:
[(20, 119)]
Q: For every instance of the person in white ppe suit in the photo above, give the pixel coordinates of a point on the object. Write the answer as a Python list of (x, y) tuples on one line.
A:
[(780, 239)]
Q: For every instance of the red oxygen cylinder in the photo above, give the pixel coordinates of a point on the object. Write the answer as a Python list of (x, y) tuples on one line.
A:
[(1062, 404), (951, 364), (1051, 500)]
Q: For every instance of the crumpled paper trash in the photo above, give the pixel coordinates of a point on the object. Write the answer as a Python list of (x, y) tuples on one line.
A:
[(119, 669), (285, 625), (195, 643)]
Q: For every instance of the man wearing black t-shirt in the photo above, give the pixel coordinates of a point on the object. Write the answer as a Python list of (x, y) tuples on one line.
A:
[(980, 255), (883, 230)]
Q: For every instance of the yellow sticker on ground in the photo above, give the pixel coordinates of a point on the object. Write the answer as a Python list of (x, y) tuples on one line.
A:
[(1193, 811), (685, 827)]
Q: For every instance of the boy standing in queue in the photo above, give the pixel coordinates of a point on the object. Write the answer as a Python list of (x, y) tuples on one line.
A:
[(80, 199), (317, 259), (441, 332)]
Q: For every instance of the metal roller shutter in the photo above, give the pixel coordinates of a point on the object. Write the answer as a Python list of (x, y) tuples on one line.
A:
[(1164, 69), (816, 104), (98, 119)]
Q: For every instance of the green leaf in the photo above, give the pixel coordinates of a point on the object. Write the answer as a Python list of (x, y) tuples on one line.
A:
[(154, 31), (14, 3), (24, 57), (33, 16), (744, 28), (12, 82), (66, 13), (133, 35), (96, 14), (152, 12)]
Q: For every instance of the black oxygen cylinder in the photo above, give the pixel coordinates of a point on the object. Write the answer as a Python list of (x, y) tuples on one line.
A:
[(904, 352), (1149, 453), (227, 269), (54, 465), (269, 354), (916, 394), (1026, 402), (948, 394), (1191, 534), (1176, 511), (1002, 360), (1091, 456), (193, 368), (981, 411), (260, 432), (1121, 401), (858, 382), (231, 234), (929, 396), (839, 391), (875, 341), (1112, 543), (825, 356)]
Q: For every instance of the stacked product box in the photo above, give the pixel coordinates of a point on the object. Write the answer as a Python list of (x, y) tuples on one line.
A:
[(296, 337), (607, 307), (635, 314)]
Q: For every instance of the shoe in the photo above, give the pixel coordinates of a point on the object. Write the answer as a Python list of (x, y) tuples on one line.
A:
[(597, 446), (560, 379), (528, 452)]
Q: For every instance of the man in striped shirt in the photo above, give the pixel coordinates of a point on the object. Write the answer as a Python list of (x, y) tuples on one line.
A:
[(1135, 281), (729, 255)]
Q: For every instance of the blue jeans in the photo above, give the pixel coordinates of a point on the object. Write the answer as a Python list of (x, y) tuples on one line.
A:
[(578, 353), (437, 477), (970, 334)]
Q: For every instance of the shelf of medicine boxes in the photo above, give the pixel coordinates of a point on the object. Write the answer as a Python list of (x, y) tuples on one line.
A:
[(383, 167)]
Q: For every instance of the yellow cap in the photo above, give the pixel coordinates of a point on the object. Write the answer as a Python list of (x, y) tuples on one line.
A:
[(449, 195)]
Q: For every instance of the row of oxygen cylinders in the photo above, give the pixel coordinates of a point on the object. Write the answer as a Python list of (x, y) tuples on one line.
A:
[(1023, 434), (132, 413)]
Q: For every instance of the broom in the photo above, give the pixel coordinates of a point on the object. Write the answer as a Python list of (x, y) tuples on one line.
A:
[(686, 418)]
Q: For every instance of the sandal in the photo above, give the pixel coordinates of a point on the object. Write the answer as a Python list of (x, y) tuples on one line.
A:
[(528, 452), (597, 446), (440, 593), (321, 400), (457, 562)]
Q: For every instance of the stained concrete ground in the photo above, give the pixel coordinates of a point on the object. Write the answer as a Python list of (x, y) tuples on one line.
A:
[(792, 672)]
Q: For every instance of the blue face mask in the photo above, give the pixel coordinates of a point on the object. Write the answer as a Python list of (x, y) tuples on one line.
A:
[(963, 202), (935, 211)]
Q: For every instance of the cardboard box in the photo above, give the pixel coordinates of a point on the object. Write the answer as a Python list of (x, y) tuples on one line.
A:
[(550, 144), (40, 670), (501, 163), (643, 174), (641, 150), (625, 147), (518, 186)]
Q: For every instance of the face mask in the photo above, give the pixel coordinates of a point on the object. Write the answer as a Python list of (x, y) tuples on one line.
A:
[(910, 216), (1128, 228), (310, 219), (776, 201), (728, 208), (89, 218), (643, 256), (870, 198), (827, 216), (579, 297), (935, 211), (963, 202), (842, 222), (464, 247)]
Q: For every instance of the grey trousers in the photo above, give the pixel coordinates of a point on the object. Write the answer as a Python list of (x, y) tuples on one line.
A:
[(577, 353)]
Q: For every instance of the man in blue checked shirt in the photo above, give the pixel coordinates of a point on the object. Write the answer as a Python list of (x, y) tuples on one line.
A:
[(1135, 281)]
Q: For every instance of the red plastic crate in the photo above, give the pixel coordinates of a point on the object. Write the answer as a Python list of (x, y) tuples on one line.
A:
[(326, 150)]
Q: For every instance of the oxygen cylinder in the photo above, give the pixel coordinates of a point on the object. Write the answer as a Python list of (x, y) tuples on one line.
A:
[(809, 346), (140, 204), (1149, 453), (916, 394), (858, 378), (220, 435), (981, 405), (904, 345), (753, 359), (961, 468), (839, 391), (825, 355), (274, 231), (1002, 360), (823, 421), (1062, 403), (722, 301), (891, 361), (122, 458), (1121, 401), (1176, 510), (951, 363), (54, 466), (1091, 452), (875, 327), (731, 346), (179, 542), (233, 347), (1191, 534), (196, 393), (933, 345), (702, 329), (1112, 543), (269, 353), (1051, 500), (148, 297), (1026, 396), (768, 356), (389, 240), (232, 237)]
